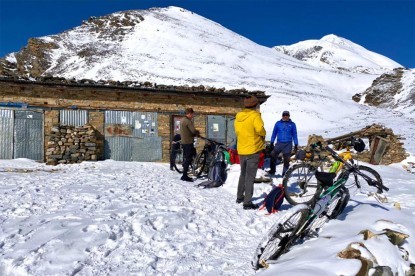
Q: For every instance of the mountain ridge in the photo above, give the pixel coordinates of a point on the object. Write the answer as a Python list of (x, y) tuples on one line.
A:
[(335, 52), (174, 46)]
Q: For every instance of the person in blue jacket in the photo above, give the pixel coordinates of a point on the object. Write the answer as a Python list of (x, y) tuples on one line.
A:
[(285, 131)]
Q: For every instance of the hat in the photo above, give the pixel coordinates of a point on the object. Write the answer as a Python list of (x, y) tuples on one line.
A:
[(286, 113), (250, 101)]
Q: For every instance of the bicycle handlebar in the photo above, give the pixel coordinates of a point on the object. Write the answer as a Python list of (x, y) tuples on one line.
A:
[(349, 166)]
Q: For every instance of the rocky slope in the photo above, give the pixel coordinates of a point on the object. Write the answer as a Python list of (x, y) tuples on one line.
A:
[(394, 90)]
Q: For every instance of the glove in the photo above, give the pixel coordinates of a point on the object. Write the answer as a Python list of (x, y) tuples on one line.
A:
[(295, 148), (197, 133), (271, 146)]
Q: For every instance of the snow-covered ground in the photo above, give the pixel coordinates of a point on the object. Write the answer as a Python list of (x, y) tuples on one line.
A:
[(132, 218)]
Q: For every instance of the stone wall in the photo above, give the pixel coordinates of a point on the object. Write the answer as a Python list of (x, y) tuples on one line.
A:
[(395, 152), (69, 144), (166, 102)]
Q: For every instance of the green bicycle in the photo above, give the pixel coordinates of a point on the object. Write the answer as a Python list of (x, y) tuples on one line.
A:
[(305, 220)]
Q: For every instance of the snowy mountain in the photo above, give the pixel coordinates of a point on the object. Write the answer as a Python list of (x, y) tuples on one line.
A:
[(174, 46), (339, 53)]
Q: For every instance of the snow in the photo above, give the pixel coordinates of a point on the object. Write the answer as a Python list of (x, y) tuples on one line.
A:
[(134, 218), (123, 218), (339, 52)]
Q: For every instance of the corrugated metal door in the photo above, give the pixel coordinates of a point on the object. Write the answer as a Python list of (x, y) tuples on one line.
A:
[(6, 134), (230, 131), (132, 136), (73, 117), (28, 134), (216, 128)]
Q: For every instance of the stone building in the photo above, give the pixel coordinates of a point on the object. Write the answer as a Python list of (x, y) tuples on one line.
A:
[(44, 118)]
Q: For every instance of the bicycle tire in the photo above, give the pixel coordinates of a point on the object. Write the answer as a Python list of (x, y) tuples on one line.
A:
[(357, 181), (280, 237), (332, 211), (178, 161), (199, 164), (339, 207), (300, 184)]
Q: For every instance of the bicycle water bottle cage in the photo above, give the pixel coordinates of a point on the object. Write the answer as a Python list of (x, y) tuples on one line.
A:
[(324, 178)]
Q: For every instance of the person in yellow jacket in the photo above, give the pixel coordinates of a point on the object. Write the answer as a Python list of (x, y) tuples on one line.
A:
[(250, 137)]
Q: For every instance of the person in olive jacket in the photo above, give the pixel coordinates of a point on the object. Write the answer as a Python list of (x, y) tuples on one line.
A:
[(188, 133), (250, 136)]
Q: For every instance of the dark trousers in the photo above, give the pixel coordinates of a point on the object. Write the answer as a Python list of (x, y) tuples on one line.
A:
[(285, 149), (249, 167), (173, 155), (188, 153)]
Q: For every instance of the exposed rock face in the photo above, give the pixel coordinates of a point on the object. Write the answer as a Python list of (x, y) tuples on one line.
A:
[(36, 58), (395, 90), (112, 27), (32, 61), (383, 89)]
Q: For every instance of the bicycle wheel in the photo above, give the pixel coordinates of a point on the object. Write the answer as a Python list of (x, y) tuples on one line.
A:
[(199, 164), (178, 161), (337, 206), (356, 181), (280, 237), (300, 184), (332, 211)]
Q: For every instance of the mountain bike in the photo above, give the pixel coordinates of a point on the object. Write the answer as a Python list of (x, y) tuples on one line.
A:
[(204, 158), (300, 184), (179, 160), (305, 220)]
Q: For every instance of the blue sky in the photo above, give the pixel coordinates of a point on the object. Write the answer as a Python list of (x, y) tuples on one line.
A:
[(385, 27)]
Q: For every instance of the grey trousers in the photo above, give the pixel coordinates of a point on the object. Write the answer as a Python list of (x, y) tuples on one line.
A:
[(249, 167)]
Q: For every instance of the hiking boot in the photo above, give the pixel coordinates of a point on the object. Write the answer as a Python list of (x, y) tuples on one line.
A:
[(239, 200), (186, 178), (271, 172), (250, 206)]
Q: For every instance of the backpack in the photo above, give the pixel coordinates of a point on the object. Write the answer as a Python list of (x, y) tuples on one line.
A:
[(273, 200), (234, 157), (217, 172)]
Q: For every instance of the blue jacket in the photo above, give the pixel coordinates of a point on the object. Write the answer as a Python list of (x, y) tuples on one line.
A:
[(285, 132)]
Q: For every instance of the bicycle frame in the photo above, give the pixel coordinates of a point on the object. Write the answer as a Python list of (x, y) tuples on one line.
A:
[(325, 199), (209, 155), (327, 203)]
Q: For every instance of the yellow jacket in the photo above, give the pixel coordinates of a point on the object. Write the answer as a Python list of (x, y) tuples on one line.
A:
[(250, 132)]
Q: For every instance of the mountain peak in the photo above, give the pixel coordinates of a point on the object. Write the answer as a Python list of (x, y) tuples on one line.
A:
[(337, 40), (332, 51)]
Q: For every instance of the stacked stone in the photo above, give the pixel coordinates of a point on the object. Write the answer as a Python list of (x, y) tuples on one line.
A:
[(69, 145), (395, 152)]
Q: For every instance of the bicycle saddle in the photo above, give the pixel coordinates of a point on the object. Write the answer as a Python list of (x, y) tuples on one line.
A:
[(325, 178)]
